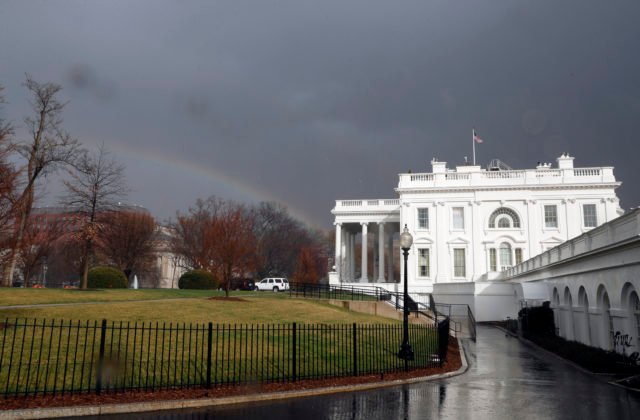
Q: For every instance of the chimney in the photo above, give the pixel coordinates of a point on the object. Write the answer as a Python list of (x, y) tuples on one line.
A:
[(565, 161), (438, 167)]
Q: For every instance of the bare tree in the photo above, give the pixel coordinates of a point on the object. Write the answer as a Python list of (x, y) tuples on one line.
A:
[(127, 241), (47, 148), (94, 189), (279, 238), (8, 185)]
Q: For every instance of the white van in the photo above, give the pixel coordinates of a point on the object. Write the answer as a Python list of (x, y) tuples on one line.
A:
[(273, 283)]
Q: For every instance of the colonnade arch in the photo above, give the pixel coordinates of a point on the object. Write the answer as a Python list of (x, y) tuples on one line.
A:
[(583, 302), (605, 315)]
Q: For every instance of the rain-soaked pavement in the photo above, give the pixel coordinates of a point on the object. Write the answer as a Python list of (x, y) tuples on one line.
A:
[(506, 380)]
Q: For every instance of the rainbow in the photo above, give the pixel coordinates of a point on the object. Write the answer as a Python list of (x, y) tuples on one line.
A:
[(232, 183)]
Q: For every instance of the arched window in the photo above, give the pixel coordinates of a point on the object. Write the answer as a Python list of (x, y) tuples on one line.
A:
[(504, 222), (505, 217), (505, 255)]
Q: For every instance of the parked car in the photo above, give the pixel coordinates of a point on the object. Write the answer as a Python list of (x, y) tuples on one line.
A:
[(242, 284), (273, 283)]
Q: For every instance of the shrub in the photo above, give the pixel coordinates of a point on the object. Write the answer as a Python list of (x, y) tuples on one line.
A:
[(538, 320), (197, 279), (107, 278)]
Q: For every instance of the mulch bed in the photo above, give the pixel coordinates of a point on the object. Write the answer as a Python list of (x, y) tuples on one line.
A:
[(227, 299), (453, 363)]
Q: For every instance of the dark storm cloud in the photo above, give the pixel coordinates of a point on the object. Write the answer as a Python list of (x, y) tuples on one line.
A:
[(310, 101)]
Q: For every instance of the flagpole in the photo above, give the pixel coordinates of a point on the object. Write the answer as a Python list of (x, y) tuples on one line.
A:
[(473, 142)]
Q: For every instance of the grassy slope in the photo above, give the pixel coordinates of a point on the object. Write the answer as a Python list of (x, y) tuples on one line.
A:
[(258, 308), (16, 296)]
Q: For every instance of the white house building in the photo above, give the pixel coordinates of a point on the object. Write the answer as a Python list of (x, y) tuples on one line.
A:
[(469, 223)]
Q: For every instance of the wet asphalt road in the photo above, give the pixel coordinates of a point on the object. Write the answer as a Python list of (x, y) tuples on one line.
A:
[(506, 380)]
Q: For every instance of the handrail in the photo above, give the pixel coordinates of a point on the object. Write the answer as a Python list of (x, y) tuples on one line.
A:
[(361, 293)]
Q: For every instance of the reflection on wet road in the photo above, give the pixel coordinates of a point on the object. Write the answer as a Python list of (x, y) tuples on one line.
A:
[(506, 380)]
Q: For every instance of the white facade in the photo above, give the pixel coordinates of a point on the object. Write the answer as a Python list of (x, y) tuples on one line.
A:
[(169, 265), (469, 224)]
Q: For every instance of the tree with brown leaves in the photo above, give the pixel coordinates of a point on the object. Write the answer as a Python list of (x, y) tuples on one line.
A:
[(96, 185), (190, 238), (37, 245), (47, 148), (234, 245), (127, 241)]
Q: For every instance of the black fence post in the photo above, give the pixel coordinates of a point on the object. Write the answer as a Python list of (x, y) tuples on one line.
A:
[(443, 340), (100, 368), (209, 349), (355, 351), (293, 351)]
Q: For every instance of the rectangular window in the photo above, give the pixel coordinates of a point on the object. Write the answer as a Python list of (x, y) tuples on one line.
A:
[(459, 263), (518, 255), (423, 262), (423, 218), (590, 215), (551, 216), (458, 217), (493, 260)]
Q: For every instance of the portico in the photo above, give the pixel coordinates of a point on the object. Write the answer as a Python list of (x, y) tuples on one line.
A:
[(371, 226)]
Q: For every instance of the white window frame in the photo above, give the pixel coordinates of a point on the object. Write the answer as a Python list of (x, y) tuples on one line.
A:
[(584, 215), (544, 217), (418, 266), (493, 259), (453, 223), (453, 262), (418, 218), (502, 264), (518, 260)]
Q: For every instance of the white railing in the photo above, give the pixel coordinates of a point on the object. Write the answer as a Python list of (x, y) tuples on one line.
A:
[(514, 177), (586, 172), (350, 203), (504, 174), (454, 176), (385, 204), (422, 177)]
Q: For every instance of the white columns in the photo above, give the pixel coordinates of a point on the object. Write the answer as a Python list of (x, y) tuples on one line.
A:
[(390, 269), (352, 256), (364, 275), (338, 250), (381, 252)]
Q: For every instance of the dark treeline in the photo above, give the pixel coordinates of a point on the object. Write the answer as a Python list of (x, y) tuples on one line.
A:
[(233, 240)]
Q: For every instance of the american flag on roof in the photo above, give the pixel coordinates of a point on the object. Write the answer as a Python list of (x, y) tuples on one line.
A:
[(476, 137)]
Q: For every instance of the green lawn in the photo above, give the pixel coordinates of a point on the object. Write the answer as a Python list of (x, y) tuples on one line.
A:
[(256, 308), (18, 296)]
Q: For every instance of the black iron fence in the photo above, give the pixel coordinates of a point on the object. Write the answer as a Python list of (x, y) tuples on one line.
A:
[(59, 357)]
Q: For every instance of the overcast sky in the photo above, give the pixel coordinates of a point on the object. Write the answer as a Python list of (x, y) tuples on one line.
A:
[(305, 102)]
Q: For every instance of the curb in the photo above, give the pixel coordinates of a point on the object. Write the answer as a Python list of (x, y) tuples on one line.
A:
[(96, 410)]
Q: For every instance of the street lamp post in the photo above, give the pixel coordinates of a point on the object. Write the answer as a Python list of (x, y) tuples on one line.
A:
[(406, 352)]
